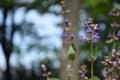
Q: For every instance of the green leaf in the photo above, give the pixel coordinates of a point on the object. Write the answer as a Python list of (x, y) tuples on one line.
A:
[(71, 52), (53, 79), (96, 78), (89, 56), (95, 53)]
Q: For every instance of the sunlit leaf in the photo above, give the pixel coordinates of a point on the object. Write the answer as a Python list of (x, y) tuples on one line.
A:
[(89, 56), (71, 52), (95, 53)]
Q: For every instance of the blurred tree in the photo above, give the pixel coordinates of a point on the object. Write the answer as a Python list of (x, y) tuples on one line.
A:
[(7, 31), (73, 16)]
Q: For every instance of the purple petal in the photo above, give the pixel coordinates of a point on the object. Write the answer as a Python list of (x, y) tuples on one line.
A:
[(113, 53), (119, 62), (110, 13), (115, 25), (64, 36), (118, 34), (114, 63), (110, 35), (96, 27), (66, 21), (72, 36), (82, 75), (113, 50), (88, 30), (97, 36)]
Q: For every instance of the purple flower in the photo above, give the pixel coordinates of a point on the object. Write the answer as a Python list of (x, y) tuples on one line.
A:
[(115, 25), (67, 24), (118, 34), (115, 76), (64, 36), (110, 13), (114, 63), (82, 75), (96, 36), (113, 52), (89, 30), (119, 62), (72, 36), (106, 76), (96, 27), (66, 21), (110, 35)]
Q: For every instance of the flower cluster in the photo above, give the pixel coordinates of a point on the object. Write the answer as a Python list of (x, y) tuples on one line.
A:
[(115, 35), (83, 72), (114, 12), (92, 31), (111, 68), (112, 65)]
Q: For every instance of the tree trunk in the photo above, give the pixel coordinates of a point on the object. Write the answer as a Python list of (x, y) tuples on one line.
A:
[(73, 16), (7, 44)]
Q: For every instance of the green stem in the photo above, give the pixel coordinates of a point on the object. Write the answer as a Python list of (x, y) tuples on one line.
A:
[(92, 70), (91, 48), (114, 31), (92, 62), (114, 39)]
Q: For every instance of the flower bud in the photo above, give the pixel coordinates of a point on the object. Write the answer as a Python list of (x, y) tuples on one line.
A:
[(64, 36), (113, 52), (72, 36), (118, 34), (118, 62), (115, 64), (82, 75), (96, 36), (96, 27), (89, 30)]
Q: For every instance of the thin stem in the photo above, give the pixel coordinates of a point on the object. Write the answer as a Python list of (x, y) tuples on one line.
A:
[(91, 49), (114, 39), (114, 31), (92, 70), (92, 62)]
